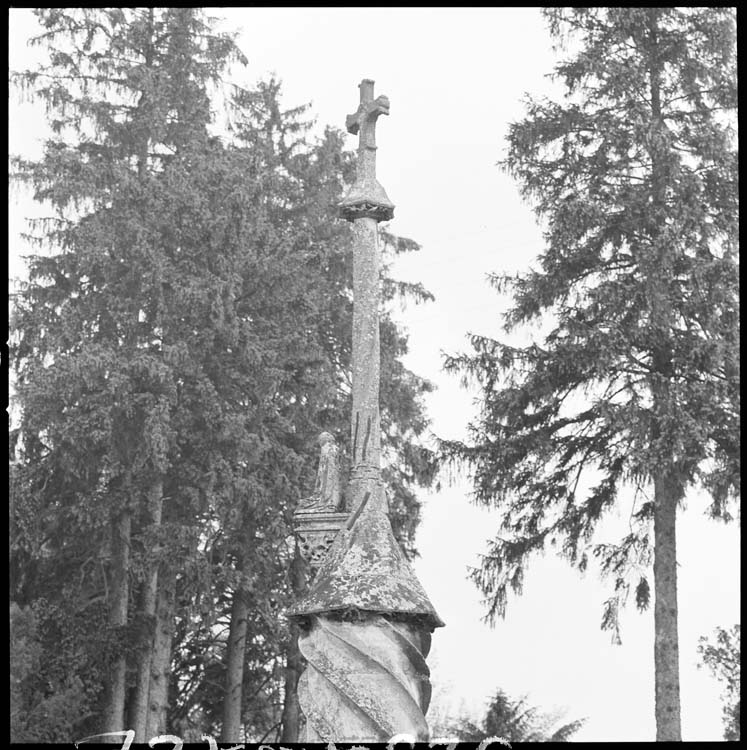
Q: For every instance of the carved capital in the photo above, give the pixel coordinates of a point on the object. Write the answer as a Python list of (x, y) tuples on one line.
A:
[(316, 531)]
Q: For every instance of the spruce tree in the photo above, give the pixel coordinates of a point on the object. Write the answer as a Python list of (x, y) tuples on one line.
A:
[(634, 177)]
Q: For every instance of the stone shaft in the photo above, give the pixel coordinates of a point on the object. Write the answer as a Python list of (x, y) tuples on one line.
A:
[(365, 426), (366, 121)]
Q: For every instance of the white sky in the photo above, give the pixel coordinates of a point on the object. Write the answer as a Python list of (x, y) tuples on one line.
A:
[(455, 78)]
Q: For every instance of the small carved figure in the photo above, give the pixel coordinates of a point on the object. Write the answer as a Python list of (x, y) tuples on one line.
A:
[(326, 495)]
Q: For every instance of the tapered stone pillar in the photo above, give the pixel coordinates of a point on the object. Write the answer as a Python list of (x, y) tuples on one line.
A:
[(366, 621)]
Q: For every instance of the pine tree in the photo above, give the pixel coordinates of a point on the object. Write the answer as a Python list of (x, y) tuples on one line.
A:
[(636, 385)]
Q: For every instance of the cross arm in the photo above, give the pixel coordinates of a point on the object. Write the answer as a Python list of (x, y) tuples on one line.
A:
[(367, 111)]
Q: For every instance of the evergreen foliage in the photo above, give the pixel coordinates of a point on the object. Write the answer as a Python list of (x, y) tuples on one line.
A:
[(177, 349), (722, 657), (514, 720), (634, 178)]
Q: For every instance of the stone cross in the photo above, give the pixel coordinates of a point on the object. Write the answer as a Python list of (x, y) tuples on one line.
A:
[(363, 123), (366, 621), (365, 205), (364, 118), (367, 198)]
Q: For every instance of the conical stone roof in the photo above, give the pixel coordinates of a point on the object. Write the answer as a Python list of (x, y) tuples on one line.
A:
[(366, 570)]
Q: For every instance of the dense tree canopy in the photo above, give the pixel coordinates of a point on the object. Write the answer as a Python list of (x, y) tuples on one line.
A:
[(177, 349)]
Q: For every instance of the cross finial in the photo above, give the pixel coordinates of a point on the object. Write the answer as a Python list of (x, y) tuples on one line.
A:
[(367, 197), (364, 118)]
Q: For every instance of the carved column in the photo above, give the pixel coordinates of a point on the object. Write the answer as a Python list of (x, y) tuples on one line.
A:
[(366, 621)]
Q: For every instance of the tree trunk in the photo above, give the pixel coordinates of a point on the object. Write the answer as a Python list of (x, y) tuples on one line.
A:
[(292, 717), (113, 714), (158, 695), (666, 643), (667, 490), (138, 708), (149, 594), (231, 729)]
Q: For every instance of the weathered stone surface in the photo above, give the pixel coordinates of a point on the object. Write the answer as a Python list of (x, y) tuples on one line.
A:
[(365, 436), (365, 680), (316, 532), (365, 570), (326, 497), (366, 198)]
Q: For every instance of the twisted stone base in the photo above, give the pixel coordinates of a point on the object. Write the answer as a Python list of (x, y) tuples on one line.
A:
[(366, 680)]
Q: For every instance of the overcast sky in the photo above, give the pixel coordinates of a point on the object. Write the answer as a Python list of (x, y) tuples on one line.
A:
[(455, 79)]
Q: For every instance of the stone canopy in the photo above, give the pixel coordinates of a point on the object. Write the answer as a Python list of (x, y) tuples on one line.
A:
[(365, 570)]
